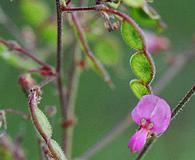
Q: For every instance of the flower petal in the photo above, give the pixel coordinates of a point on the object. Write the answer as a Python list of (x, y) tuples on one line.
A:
[(161, 117), (144, 108), (138, 140), (154, 109)]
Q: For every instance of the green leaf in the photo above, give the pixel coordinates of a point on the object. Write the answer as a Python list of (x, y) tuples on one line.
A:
[(15, 60), (49, 34), (142, 18), (107, 50), (114, 5), (139, 88), (151, 12), (134, 3), (34, 12), (142, 67), (43, 122), (57, 149), (131, 36)]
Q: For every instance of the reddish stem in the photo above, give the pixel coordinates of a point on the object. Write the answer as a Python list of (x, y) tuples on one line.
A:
[(16, 47), (88, 51)]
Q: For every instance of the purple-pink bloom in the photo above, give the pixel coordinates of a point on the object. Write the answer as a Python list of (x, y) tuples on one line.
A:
[(153, 115), (155, 43)]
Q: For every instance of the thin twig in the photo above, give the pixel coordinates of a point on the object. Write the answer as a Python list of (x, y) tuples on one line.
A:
[(183, 102), (18, 113), (59, 70), (88, 51), (15, 46), (47, 81), (74, 77), (111, 135), (108, 10), (168, 76)]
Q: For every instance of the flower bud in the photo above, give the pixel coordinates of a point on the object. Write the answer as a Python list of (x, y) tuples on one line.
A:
[(156, 43), (46, 71)]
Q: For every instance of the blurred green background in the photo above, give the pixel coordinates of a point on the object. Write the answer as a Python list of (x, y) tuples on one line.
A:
[(99, 108)]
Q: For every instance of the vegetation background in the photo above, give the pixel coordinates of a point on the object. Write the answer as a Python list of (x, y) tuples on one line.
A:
[(98, 108)]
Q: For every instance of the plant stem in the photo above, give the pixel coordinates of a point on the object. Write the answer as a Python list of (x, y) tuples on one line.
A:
[(33, 100), (18, 113), (74, 77), (146, 147), (175, 111), (108, 10), (182, 103), (88, 51), (110, 136), (125, 17), (59, 70), (13, 45)]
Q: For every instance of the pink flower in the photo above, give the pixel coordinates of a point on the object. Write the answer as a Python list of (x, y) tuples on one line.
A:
[(156, 43), (153, 115)]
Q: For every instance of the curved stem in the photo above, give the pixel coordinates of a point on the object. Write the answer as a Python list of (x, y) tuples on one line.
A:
[(107, 10)]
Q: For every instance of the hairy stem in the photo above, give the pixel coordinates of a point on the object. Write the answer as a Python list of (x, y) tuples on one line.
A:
[(183, 102), (34, 98), (59, 71)]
